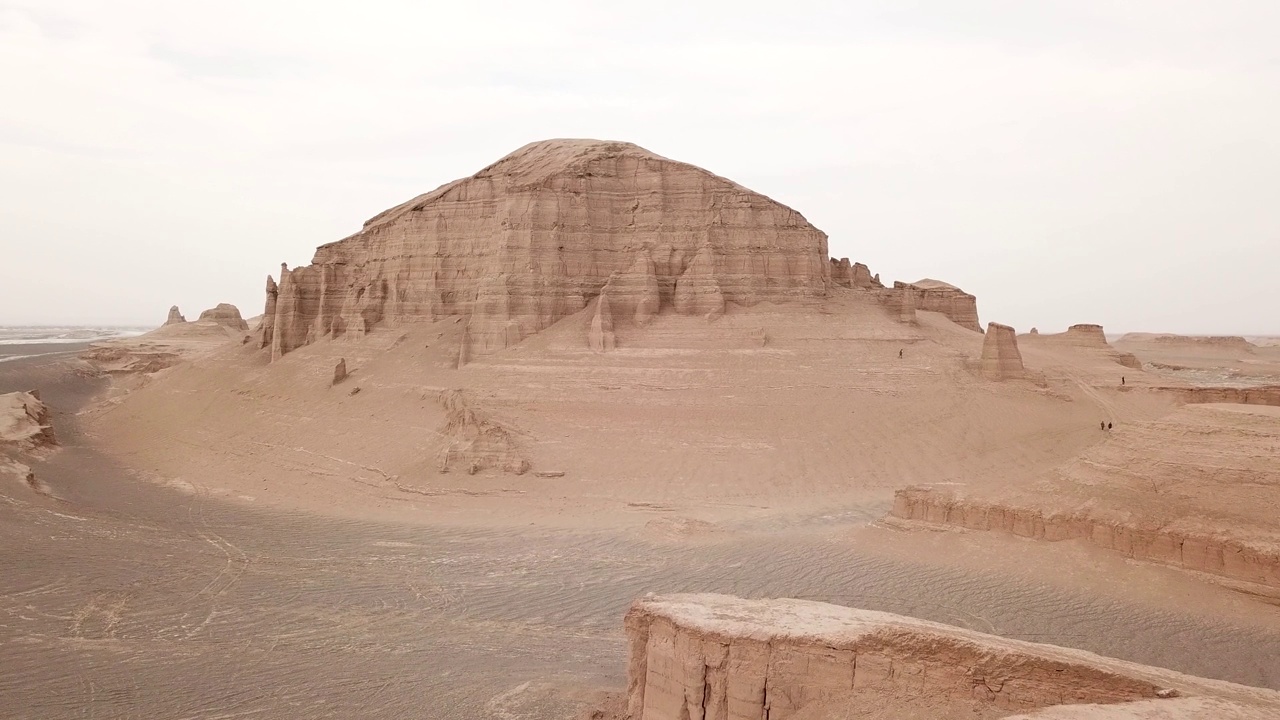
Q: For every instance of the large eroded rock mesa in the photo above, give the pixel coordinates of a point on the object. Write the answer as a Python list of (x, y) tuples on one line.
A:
[(537, 235), (226, 315)]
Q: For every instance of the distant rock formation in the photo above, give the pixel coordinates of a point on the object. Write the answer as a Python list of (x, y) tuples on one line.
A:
[(1000, 357), (534, 237), (957, 305), (1034, 332), (226, 315), (901, 301), (175, 317), (1089, 335), (25, 423)]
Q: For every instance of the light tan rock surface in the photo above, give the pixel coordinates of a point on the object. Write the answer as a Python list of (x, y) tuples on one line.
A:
[(1088, 336), (25, 423), (175, 316), (532, 238), (225, 314), (1000, 357), (957, 305), (716, 657)]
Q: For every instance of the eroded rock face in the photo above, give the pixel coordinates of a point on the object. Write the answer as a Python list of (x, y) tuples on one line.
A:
[(600, 337), (957, 305), (717, 657), (175, 316), (25, 423), (474, 442), (1000, 357), (225, 314), (535, 236), (854, 275)]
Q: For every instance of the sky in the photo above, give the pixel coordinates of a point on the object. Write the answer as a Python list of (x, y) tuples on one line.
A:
[(1112, 162)]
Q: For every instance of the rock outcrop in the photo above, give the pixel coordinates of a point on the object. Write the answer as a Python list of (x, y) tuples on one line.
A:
[(901, 301), (534, 237), (339, 371), (175, 317), (1000, 357), (226, 315), (600, 336), (473, 442), (25, 423), (957, 305), (1089, 335), (1255, 395), (715, 657), (854, 275), (1233, 558)]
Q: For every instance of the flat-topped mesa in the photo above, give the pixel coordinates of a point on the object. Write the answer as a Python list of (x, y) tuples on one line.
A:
[(225, 314), (534, 237), (1089, 335), (175, 316), (957, 305), (1000, 357)]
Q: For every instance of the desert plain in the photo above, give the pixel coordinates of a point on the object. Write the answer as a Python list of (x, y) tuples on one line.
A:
[(589, 382)]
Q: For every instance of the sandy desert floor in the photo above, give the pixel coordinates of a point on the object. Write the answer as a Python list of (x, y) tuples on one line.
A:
[(126, 597)]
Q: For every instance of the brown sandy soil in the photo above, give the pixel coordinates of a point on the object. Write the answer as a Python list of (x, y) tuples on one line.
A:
[(771, 408)]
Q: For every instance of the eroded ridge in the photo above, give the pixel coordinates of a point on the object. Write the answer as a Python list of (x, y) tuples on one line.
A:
[(715, 657), (1234, 558)]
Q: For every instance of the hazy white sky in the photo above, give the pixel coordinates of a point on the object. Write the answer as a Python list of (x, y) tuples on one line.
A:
[(1066, 161)]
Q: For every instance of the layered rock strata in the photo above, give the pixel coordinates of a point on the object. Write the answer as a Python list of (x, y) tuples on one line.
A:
[(473, 442), (1000, 357), (854, 275), (714, 657), (957, 305), (25, 422), (534, 237), (1089, 335), (1232, 558), (226, 315), (1258, 395)]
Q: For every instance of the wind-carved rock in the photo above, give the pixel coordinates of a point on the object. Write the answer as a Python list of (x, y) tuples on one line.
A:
[(854, 275), (269, 312), (339, 371), (635, 293), (600, 337), (957, 305), (1000, 357), (698, 291), (25, 422), (528, 240), (225, 314), (175, 316), (901, 301)]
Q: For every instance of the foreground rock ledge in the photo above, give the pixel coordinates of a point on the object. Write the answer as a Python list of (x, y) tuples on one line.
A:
[(715, 657)]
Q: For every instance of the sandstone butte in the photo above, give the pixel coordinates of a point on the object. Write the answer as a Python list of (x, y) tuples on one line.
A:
[(716, 657), (175, 316), (1000, 357), (225, 314), (556, 225)]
